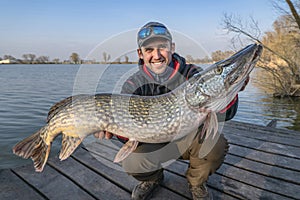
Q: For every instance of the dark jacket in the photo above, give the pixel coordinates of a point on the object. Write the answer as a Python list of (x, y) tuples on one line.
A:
[(144, 83)]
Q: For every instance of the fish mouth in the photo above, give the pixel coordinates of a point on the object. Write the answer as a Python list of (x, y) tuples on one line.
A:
[(241, 64)]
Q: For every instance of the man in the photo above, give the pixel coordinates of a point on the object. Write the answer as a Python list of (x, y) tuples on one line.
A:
[(160, 71)]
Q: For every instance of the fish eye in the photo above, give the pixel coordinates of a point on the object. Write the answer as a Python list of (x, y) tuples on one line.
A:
[(219, 70)]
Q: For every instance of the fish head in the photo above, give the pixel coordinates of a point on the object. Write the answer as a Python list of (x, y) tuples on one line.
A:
[(216, 86)]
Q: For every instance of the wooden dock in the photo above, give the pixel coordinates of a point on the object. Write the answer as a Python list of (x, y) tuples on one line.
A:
[(262, 163)]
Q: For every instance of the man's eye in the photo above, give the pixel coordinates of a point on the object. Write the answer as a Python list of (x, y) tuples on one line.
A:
[(149, 49), (163, 46)]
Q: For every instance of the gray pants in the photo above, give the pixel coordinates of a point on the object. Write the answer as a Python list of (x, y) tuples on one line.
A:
[(147, 161)]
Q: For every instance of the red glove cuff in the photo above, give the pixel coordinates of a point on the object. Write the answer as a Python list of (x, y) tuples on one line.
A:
[(230, 104)]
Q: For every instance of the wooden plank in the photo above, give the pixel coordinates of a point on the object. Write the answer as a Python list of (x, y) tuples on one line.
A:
[(231, 186), (254, 128), (173, 182), (102, 166), (241, 190), (51, 183), (262, 163), (178, 182), (264, 146), (267, 158), (98, 186), (13, 187), (101, 151), (264, 169), (266, 183), (250, 153), (272, 183), (287, 141)]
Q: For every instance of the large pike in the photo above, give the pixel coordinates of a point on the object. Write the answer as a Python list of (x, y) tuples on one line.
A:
[(151, 119)]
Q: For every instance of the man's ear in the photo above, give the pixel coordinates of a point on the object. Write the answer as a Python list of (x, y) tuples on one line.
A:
[(173, 47), (139, 52)]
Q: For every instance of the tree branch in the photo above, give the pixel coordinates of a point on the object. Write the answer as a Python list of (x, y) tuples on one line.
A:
[(294, 12)]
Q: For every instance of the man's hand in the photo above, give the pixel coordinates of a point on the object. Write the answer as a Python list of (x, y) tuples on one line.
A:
[(245, 83), (103, 134)]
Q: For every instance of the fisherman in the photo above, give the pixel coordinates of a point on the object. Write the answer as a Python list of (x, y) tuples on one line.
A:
[(160, 71)]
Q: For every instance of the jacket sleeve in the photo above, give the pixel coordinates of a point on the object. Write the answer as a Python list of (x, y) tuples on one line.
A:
[(129, 87)]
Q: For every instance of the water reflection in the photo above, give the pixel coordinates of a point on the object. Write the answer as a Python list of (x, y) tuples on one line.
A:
[(258, 106)]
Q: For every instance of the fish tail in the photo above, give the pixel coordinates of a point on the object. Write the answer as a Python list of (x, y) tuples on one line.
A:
[(35, 148)]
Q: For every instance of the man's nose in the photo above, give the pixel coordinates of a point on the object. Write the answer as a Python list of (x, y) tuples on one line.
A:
[(156, 53)]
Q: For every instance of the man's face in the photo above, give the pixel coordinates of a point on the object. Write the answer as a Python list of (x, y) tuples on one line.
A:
[(157, 54)]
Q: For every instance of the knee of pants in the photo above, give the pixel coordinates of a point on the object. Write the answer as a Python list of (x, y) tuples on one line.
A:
[(219, 151), (213, 159), (199, 174), (138, 163), (200, 169), (149, 157)]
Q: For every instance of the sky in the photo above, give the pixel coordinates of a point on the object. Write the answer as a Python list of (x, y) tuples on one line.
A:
[(57, 28)]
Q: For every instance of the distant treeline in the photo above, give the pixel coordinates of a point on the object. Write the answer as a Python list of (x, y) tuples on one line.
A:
[(75, 59)]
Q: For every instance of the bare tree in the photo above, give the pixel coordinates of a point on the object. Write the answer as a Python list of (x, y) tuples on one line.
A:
[(56, 60), (126, 59), (42, 59), (9, 57), (29, 58), (26, 58), (294, 11), (220, 55), (189, 58), (106, 57), (281, 58), (75, 58)]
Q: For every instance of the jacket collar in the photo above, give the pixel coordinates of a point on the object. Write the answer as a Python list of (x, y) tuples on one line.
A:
[(178, 63)]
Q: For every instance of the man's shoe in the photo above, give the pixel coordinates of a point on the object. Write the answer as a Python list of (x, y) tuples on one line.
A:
[(144, 190), (200, 192)]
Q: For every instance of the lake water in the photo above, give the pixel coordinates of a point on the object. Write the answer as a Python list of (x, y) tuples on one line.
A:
[(28, 91)]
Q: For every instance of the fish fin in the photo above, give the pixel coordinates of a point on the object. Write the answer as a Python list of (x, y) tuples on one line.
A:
[(126, 149), (57, 107), (35, 148), (60, 105), (69, 144), (210, 126)]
